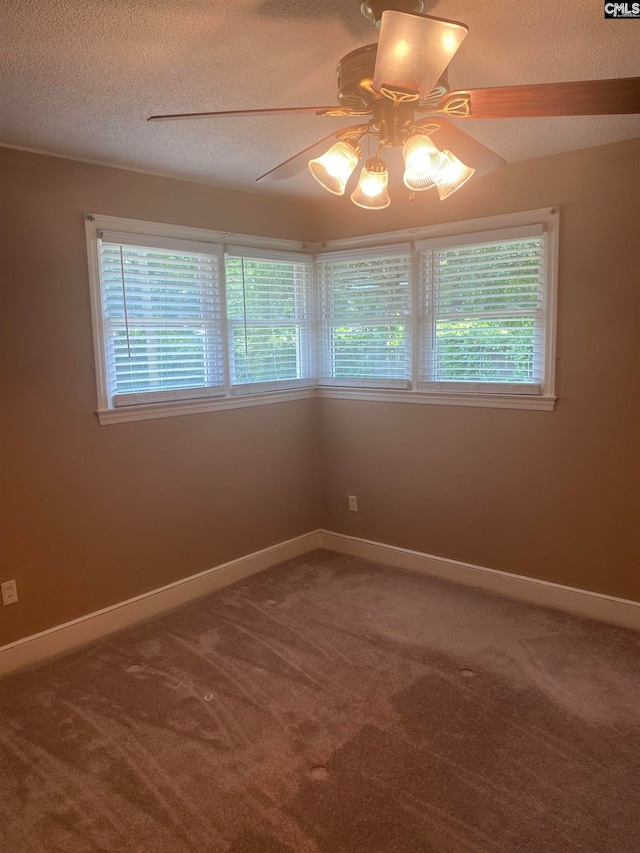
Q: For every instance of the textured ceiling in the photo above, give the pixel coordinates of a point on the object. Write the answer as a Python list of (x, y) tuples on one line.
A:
[(79, 77)]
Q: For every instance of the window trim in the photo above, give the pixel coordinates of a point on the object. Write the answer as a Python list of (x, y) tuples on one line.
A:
[(223, 241)]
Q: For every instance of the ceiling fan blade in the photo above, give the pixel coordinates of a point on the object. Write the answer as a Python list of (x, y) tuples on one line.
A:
[(413, 51), (465, 147), (580, 98), (284, 111), (299, 161)]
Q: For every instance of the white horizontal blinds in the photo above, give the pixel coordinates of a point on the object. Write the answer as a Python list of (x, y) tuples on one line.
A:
[(365, 317), (162, 318), (269, 319), (482, 312)]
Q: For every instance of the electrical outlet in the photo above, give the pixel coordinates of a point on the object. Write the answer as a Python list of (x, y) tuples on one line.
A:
[(9, 592), (353, 503)]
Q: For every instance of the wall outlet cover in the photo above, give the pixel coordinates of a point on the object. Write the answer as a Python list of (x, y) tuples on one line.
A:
[(9, 592)]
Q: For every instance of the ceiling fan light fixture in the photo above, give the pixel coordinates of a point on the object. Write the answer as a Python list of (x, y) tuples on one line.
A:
[(421, 162), (452, 174), (372, 192), (334, 168)]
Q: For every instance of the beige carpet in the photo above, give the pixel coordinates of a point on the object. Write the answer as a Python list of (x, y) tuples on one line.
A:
[(329, 705)]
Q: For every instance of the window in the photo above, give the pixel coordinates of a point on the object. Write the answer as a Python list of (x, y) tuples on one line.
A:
[(365, 301), (482, 311), (188, 319), (184, 322), (161, 318), (269, 319)]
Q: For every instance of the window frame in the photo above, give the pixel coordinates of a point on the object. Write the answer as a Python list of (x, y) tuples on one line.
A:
[(268, 393), (427, 319), (144, 397), (303, 320), (185, 404), (328, 321), (476, 396)]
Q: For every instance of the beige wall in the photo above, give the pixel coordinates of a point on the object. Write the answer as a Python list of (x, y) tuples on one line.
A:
[(92, 515), (552, 495), (95, 514)]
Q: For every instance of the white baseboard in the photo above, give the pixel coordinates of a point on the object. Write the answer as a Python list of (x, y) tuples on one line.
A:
[(580, 602), (62, 638)]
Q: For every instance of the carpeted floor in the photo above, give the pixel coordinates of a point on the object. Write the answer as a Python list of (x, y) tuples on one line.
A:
[(324, 706)]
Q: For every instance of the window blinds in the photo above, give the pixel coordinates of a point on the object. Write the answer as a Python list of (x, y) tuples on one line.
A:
[(173, 320), (269, 319), (365, 311), (161, 314), (482, 313)]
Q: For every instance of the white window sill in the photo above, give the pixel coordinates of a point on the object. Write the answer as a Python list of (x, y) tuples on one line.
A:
[(444, 398), (151, 411)]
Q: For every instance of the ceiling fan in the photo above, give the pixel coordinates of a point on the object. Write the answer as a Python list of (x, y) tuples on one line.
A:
[(398, 88)]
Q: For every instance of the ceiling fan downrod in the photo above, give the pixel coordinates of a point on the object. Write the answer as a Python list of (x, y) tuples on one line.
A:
[(394, 123)]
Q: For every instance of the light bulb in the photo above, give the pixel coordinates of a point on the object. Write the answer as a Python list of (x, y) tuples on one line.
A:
[(372, 190), (372, 185), (421, 159), (452, 174), (333, 169)]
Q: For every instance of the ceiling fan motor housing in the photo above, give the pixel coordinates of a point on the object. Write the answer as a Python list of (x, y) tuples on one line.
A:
[(355, 78)]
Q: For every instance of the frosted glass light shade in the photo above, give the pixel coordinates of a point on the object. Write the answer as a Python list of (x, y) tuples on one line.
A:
[(452, 174), (372, 191), (413, 51), (421, 162), (333, 169)]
